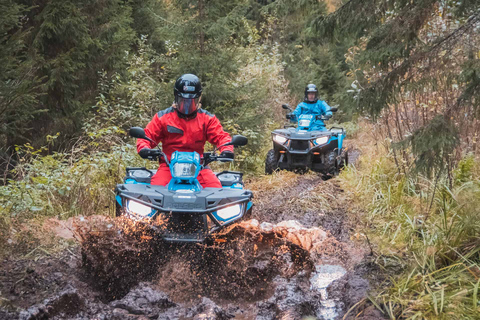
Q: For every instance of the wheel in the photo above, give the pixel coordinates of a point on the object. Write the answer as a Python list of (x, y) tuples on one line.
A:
[(118, 209), (343, 160), (271, 162), (336, 170), (331, 163)]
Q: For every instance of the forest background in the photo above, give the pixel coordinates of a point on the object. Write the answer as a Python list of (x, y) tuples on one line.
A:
[(75, 75)]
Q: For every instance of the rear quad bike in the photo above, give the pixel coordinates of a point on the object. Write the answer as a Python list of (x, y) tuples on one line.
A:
[(189, 212), (303, 148)]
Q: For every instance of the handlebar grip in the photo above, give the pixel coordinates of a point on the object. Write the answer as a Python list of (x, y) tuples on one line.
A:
[(150, 154)]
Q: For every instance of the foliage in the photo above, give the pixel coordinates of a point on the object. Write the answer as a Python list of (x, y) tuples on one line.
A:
[(432, 145), (18, 82), (414, 67), (63, 184), (424, 236)]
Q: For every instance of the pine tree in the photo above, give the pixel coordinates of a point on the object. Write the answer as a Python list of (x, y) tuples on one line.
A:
[(18, 84), (408, 57)]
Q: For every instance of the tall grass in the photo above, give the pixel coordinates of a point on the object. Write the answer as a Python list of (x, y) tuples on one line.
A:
[(426, 237)]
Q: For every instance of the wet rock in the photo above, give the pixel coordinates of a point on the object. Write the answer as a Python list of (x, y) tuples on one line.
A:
[(68, 302), (266, 227), (143, 300), (208, 310), (350, 289), (292, 300), (7, 315)]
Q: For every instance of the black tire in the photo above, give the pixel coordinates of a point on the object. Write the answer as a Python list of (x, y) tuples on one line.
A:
[(248, 214), (331, 163), (343, 160), (118, 209), (271, 162)]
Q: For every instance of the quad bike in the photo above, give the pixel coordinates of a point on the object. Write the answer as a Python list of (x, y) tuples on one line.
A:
[(189, 212), (302, 148)]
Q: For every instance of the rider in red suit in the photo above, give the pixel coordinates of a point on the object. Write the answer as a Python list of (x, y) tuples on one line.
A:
[(185, 127)]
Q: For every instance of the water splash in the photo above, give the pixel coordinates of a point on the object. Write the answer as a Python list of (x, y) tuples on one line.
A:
[(323, 276)]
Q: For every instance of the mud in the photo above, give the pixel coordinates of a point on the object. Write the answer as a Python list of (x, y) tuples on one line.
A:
[(293, 260)]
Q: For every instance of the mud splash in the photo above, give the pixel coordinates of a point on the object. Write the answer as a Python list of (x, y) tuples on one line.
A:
[(253, 271), (296, 263), (240, 265)]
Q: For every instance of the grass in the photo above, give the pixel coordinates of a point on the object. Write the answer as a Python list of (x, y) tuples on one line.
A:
[(429, 254), (60, 185)]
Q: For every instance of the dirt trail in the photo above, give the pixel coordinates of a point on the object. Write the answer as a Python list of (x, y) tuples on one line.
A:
[(293, 260)]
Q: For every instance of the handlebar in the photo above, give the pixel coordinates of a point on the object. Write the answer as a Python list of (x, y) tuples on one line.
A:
[(290, 116), (209, 157), (153, 154), (323, 118)]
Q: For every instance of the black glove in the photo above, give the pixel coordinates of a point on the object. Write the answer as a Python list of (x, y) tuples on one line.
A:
[(227, 154), (146, 153), (289, 116)]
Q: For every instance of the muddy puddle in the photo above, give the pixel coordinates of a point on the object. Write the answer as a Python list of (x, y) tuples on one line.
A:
[(283, 264)]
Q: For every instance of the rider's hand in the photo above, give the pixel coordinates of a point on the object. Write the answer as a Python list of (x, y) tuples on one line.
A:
[(227, 154), (146, 153), (327, 116)]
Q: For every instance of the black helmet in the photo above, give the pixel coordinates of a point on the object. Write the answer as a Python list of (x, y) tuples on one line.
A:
[(311, 88), (187, 91)]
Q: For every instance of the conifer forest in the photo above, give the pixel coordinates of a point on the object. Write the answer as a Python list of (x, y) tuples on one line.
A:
[(380, 221)]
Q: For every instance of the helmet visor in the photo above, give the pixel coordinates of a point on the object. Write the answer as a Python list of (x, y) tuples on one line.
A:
[(311, 95), (187, 106)]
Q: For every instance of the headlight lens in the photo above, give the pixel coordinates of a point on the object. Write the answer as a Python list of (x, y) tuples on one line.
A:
[(321, 140), (279, 139), (138, 208), (304, 123), (229, 212), (184, 170)]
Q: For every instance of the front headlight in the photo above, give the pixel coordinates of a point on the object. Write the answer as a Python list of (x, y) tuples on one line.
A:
[(279, 139), (321, 140), (184, 170), (229, 212), (139, 208), (304, 123)]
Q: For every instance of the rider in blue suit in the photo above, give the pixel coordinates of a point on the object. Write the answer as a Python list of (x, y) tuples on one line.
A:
[(311, 105)]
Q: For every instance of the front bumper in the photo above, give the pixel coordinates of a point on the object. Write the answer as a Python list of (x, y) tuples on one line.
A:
[(314, 157), (186, 217)]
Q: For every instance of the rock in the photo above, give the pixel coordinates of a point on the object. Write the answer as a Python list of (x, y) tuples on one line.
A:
[(66, 302)]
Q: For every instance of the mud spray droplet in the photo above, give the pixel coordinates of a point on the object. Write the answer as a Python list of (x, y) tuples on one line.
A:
[(323, 276)]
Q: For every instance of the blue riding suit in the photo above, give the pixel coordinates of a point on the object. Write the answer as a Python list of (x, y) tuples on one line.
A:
[(318, 108)]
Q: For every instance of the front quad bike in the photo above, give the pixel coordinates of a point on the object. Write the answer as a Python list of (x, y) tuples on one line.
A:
[(189, 212), (303, 148)]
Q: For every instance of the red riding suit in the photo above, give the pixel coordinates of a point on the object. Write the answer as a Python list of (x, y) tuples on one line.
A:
[(187, 135)]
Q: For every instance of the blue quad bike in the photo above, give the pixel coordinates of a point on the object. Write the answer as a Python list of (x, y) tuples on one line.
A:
[(187, 211), (303, 148)]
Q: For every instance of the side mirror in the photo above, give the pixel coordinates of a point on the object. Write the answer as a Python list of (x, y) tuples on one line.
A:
[(139, 133), (238, 140), (286, 107), (334, 109)]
